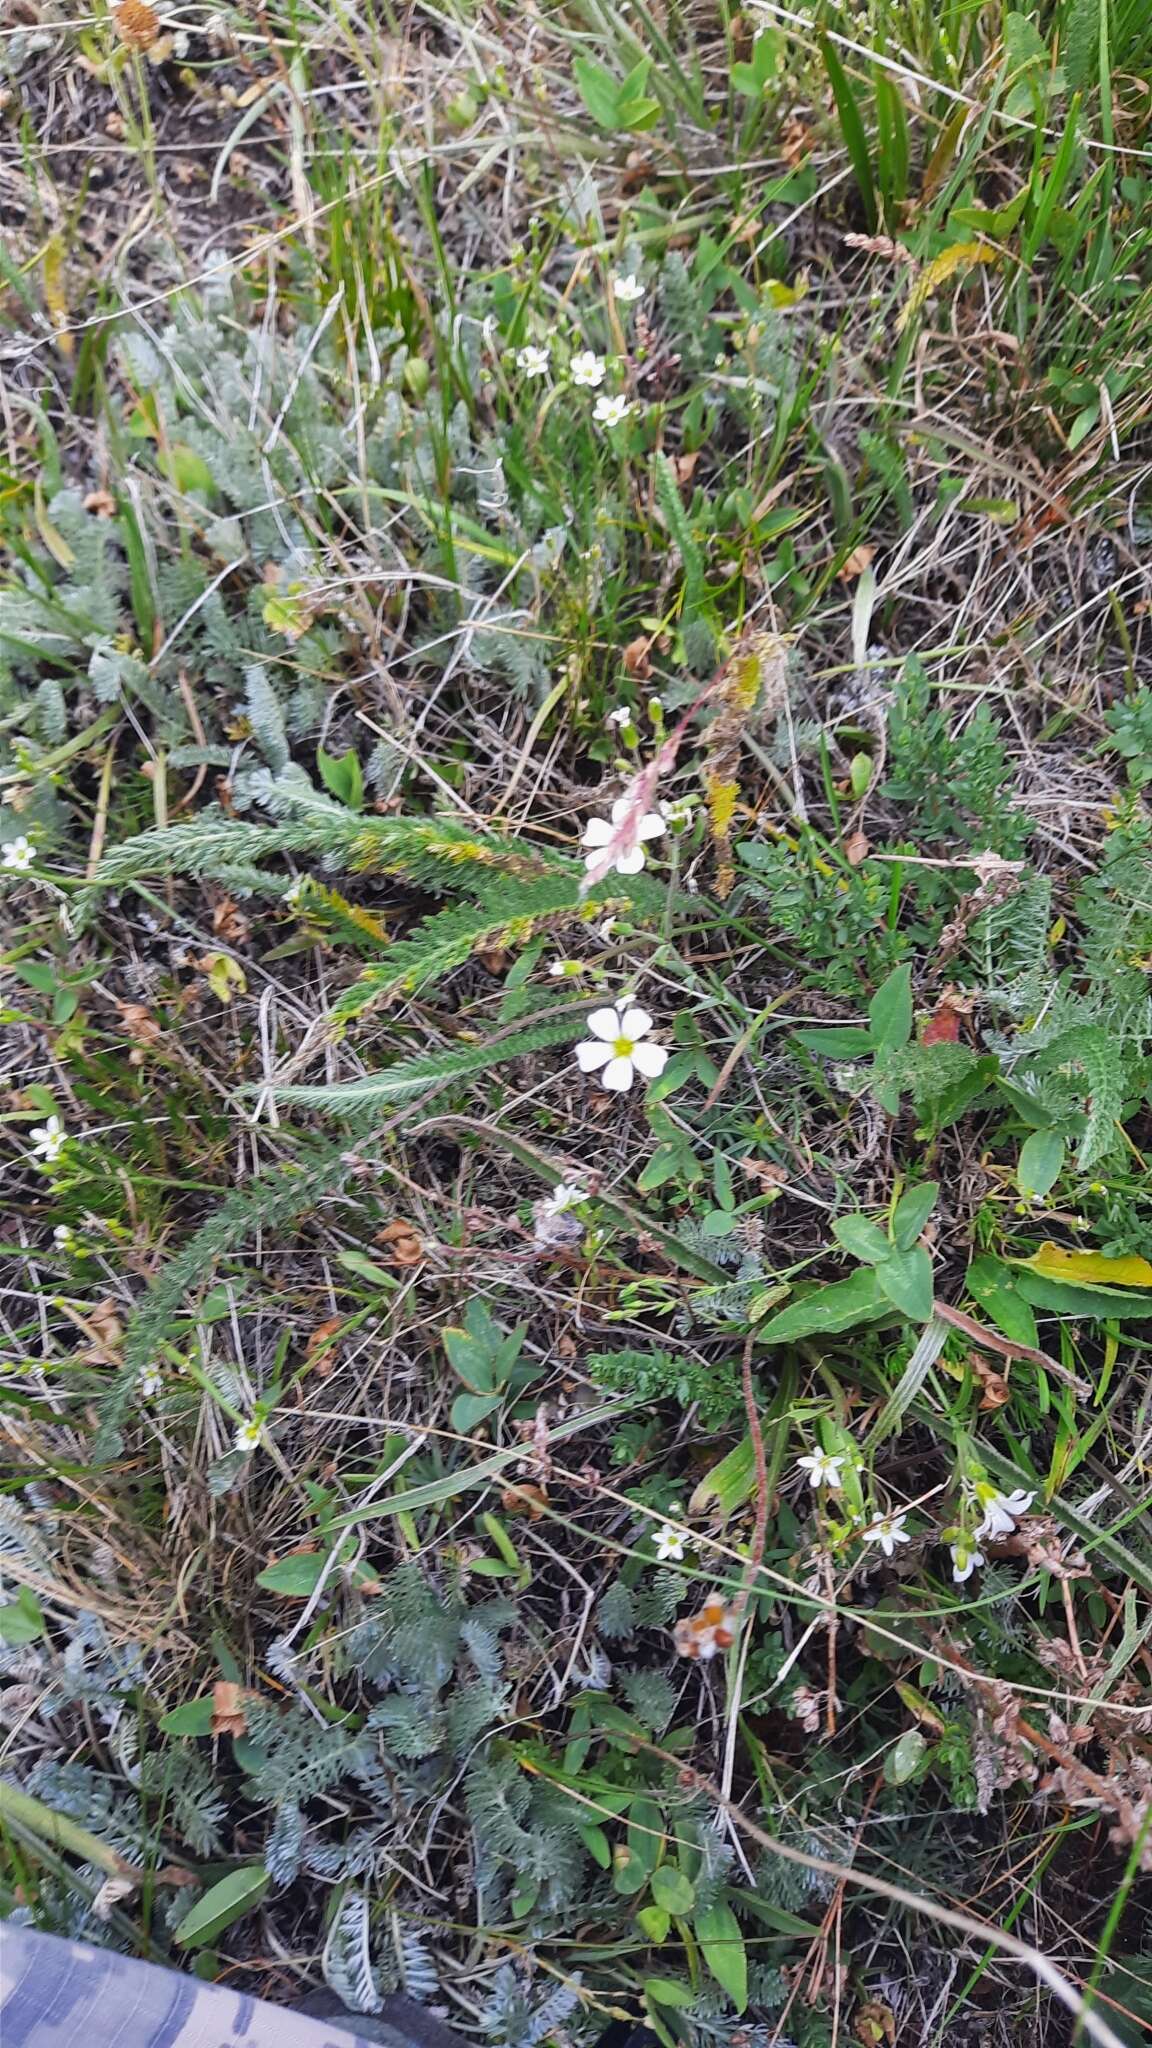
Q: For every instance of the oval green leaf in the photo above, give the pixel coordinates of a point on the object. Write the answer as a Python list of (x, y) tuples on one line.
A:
[(1041, 1158), (193, 1718), (722, 1944), (222, 1904), (297, 1576), (672, 1890)]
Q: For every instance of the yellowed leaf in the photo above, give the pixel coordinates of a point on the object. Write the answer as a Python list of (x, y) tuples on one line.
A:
[(225, 976), (51, 536), (960, 256), (53, 266), (1089, 1268)]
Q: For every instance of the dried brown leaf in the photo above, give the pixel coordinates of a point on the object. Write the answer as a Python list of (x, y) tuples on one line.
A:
[(402, 1243), (228, 1708)]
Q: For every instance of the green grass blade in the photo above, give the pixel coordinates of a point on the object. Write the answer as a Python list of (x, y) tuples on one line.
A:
[(852, 129)]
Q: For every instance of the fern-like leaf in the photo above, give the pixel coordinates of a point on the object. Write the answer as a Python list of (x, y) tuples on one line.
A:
[(429, 1072), (507, 917), (347, 1959)]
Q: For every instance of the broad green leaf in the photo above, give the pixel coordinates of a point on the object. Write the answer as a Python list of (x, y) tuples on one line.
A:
[(776, 1917), (672, 1890), (367, 1269), (598, 1846), (637, 115), (827, 1310), (646, 1832), (633, 82), (654, 1922), (681, 1068), (722, 1182), (669, 1991), (890, 1011), (905, 1757), (629, 1875), (473, 1361), (1041, 1158), (599, 91), (863, 1238), (22, 1620), (996, 221), (992, 1286), (469, 1410), (193, 1718), (751, 78), (222, 1904), (342, 774), (1029, 1107), (185, 468), (728, 1485), (911, 1214), (1106, 1303), (906, 1279), (718, 1932), (836, 1041), (296, 1576)]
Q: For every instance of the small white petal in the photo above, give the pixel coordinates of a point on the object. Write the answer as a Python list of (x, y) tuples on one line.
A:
[(610, 412), (650, 1060), (651, 826), (620, 810), (618, 1075), (592, 1053), (605, 1024), (634, 1024), (597, 832), (629, 863)]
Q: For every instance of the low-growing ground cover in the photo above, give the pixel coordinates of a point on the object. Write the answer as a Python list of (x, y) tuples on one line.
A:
[(577, 882)]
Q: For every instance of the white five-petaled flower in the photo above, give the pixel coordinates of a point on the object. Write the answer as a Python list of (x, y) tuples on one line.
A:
[(1002, 1511), (621, 715), (608, 412), (64, 1237), (599, 832), (616, 1047), (965, 1558), (249, 1436), (668, 1544), (49, 1140), (18, 855), (822, 1470), (566, 969), (564, 1196), (888, 1533), (627, 289), (678, 812), (150, 1383), (586, 368), (532, 360)]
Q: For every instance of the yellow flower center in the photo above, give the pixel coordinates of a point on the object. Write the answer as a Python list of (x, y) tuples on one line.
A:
[(623, 1048)]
